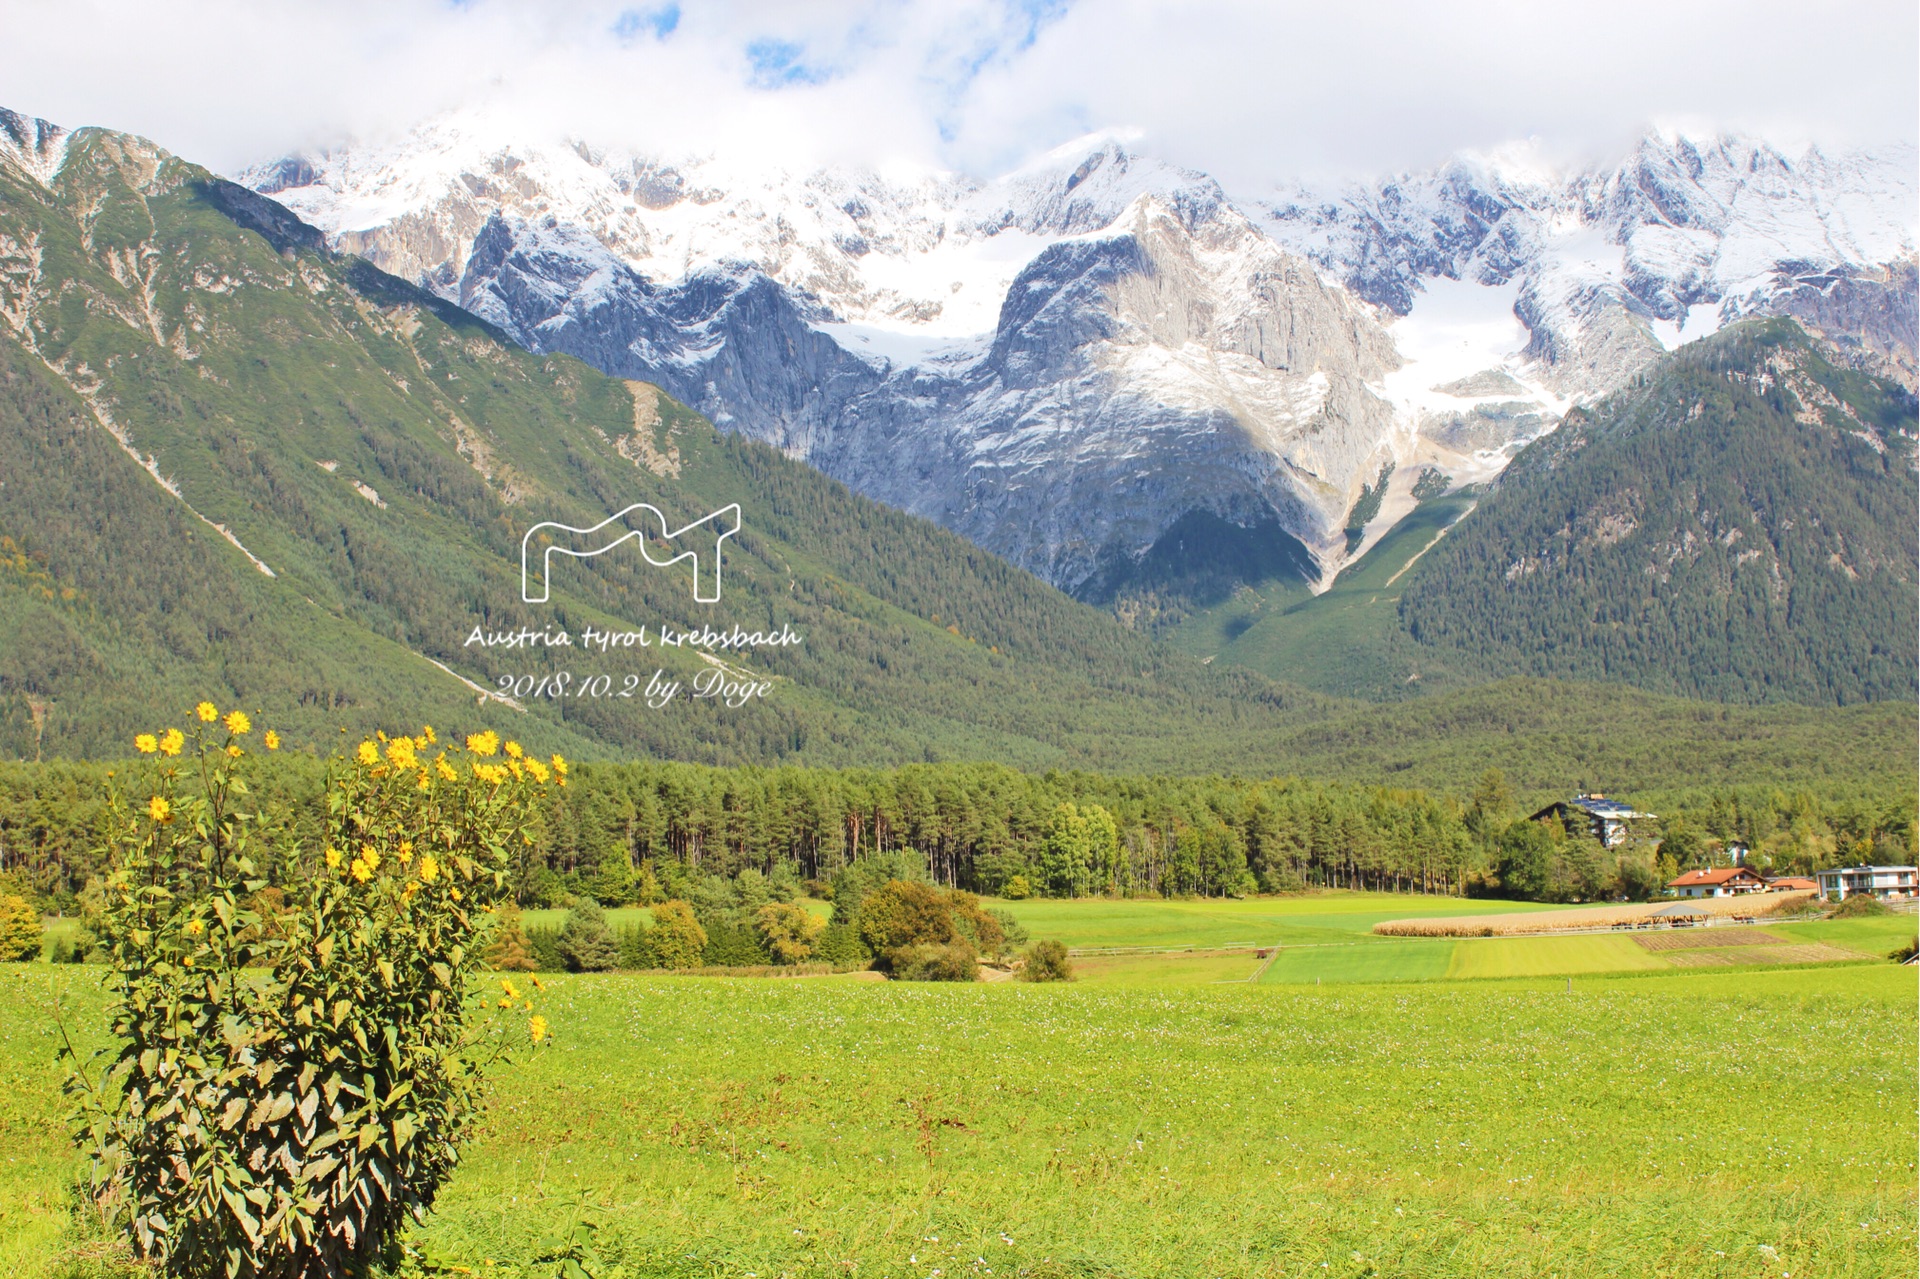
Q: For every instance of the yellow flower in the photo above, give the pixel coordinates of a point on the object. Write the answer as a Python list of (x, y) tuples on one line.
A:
[(238, 724), (207, 712), (426, 731), (273, 740), (513, 750), (535, 979), (560, 765), (507, 985), (400, 752), (454, 893), (406, 849), (159, 809), (333, 859), (429, 869), (445, 769), (537, 1027), (536, 769), (483, 744), (188, 961), (360, 870), (369, 754), (233, 752), (513, 766), (146, 743), (195, 927), (172, 741)]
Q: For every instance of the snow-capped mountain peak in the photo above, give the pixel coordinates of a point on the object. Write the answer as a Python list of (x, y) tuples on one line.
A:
[(1064, 361)]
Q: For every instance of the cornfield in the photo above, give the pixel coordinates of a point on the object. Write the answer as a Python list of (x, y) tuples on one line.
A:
[(1636, 914)]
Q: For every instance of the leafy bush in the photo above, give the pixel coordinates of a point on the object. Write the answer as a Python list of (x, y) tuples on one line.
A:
[(953, 961), (1860, 905), (586, 944), (1016, 889), (283, 1099), (1047, 961), (677, 939), (787, 930), (1904, 954), (20, 930), (905, 914)]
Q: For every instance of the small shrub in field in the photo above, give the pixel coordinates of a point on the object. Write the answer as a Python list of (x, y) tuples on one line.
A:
[(677, 939), (906, 914), (1860, 906), (544, 942), (840, 945), (789, 931), (953, 961), (1904, 954), (586, 944), (1016, 889), (1047, 961), (287, 1094), (20, 930), (510, 951), (636, 951), (732, 944), (1011, 930)]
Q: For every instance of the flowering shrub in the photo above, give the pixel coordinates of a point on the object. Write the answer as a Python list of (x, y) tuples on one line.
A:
[(19, 928), (288, 1090)]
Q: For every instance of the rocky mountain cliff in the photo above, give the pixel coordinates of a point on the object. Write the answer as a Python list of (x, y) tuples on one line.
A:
[(1065, 363)]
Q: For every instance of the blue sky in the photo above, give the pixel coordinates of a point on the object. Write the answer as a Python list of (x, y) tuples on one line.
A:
[(1256, 91)]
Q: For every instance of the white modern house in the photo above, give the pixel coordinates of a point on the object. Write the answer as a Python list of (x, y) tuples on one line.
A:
[(1888, 883)]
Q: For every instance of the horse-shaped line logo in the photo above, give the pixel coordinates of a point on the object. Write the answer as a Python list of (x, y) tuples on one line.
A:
[(699, 541)]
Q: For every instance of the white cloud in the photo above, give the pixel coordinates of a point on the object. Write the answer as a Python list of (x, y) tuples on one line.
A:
[(1252, 91)]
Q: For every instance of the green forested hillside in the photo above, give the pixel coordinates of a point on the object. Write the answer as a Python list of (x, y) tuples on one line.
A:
[(1737, 526), (234, 465)]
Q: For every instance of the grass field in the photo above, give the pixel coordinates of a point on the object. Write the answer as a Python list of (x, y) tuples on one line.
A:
[(690, 1126), (1323, 917)]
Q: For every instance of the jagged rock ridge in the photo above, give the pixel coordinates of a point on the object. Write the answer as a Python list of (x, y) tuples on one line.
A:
[(1064, 363)]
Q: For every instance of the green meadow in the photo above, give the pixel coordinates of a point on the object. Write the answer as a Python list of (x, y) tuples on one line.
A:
[(1362, 1109)]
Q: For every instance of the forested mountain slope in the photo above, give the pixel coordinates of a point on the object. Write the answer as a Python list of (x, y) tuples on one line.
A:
[(1737, 525), (235, 465)]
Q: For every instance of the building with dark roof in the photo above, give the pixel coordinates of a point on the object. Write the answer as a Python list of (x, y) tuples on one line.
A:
[(1607, 820)]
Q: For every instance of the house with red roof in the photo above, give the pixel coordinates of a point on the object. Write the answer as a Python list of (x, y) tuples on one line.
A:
[(1718, 881)]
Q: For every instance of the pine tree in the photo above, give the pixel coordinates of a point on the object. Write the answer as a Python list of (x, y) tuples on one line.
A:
[(587, 945), (510, 952)]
